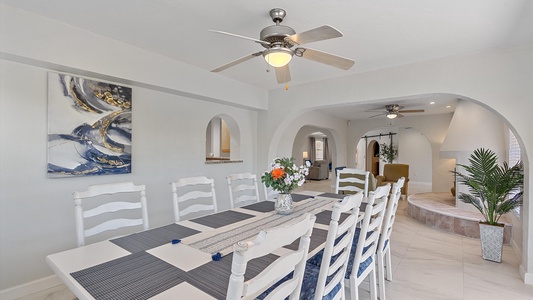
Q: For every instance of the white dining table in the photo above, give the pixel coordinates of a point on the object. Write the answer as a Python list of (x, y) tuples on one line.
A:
[(179, 261)]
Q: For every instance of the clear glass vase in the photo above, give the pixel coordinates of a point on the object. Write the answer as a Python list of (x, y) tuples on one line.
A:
[(284, 204)]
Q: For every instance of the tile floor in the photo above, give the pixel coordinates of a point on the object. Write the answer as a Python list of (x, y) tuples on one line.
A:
[(427, 264)]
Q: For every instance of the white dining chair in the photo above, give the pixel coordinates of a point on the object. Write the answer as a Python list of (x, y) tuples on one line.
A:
[(351, 181), (110, 211), (362, 261), (270, 193), (196, 193), (266, 242), (325, 272), (242, 188), (383, 252)]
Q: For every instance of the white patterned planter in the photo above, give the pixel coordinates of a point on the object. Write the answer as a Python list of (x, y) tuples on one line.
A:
[(491, 241)]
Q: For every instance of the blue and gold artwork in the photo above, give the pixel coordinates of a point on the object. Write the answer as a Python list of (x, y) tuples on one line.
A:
[(89, 127)]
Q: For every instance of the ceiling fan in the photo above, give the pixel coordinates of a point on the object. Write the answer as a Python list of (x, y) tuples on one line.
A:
[(279, 41), (394, 110)]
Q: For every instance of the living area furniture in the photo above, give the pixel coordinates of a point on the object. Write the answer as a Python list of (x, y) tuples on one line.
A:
[(319, 170), (391, 174)]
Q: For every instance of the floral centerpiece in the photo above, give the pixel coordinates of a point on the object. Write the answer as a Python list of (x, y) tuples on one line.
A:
[(284, 176)]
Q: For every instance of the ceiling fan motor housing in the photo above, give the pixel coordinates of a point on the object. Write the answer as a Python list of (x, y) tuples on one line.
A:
[(276, 34)]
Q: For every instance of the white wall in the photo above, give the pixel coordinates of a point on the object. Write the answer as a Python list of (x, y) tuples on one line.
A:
[(415, 150), (37, 213), (472, 127)]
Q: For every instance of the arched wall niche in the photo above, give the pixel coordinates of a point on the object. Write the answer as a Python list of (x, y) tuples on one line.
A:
[(301, 143), (223, 139)]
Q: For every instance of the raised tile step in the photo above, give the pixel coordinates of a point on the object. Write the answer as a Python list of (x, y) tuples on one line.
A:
[(437, 210)]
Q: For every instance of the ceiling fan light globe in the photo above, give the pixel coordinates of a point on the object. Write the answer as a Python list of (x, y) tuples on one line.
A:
[(278, 57), (391, 115)]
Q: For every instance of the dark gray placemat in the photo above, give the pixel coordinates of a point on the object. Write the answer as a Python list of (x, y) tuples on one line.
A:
[(137, 276), (324, 217), (332, 195), (152, 238), (222, 219), (213, 277), (263, 206), (318, 237), (300, 197)]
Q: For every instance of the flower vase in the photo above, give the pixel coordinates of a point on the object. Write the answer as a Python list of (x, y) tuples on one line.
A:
[(284, 204)]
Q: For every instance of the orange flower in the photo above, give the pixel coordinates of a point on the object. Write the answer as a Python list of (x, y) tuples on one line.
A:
[(277, 173)]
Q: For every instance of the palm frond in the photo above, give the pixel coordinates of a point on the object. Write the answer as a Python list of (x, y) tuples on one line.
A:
[(490, 184)]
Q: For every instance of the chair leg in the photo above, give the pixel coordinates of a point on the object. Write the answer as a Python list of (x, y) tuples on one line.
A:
[(381, 276), (388, 264), (373, 285), (354, 293)]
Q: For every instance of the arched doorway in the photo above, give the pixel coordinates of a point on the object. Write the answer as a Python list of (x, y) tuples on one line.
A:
[(372, 157)]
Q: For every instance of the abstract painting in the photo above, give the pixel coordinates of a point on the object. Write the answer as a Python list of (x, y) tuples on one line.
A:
[(89, 127)]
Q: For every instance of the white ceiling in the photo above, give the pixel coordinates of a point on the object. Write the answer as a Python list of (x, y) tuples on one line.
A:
[(377, 34)]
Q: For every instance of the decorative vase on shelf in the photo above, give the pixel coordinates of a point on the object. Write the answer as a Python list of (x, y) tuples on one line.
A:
[(284, 204)]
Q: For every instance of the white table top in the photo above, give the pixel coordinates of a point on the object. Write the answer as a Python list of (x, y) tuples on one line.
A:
[(180, 255)]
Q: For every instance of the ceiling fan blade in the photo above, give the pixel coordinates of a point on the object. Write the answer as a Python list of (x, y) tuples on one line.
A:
[(326, 58), (399, 115), (321, 33), (237, 61), (283, 74), (412, 111), (378, 115), (240, 36)]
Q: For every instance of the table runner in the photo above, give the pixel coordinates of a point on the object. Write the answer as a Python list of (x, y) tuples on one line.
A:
[(152, 238), (222, 219), (221, 243), (137, 276)]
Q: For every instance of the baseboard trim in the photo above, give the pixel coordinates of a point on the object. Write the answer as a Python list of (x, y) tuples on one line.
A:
[(29, 288), (528, 277), (421, 183)]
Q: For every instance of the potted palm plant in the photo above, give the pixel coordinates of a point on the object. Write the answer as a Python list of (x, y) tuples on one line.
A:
[(388, 153), (494, 190)]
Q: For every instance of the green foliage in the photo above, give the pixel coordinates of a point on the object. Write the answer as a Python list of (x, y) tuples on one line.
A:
[(284, 176), (490, 185), (388, 153)]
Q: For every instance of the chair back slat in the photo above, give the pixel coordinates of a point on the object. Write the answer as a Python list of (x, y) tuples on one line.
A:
[(111, 225), (338, 245), (242, 188), (350, 181), (266, 242), (390, 214), (369, 231), (110, 211), (188, 192), (383, 251)]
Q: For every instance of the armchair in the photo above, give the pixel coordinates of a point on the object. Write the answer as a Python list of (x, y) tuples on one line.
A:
[(319, 170), (391, 174)]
